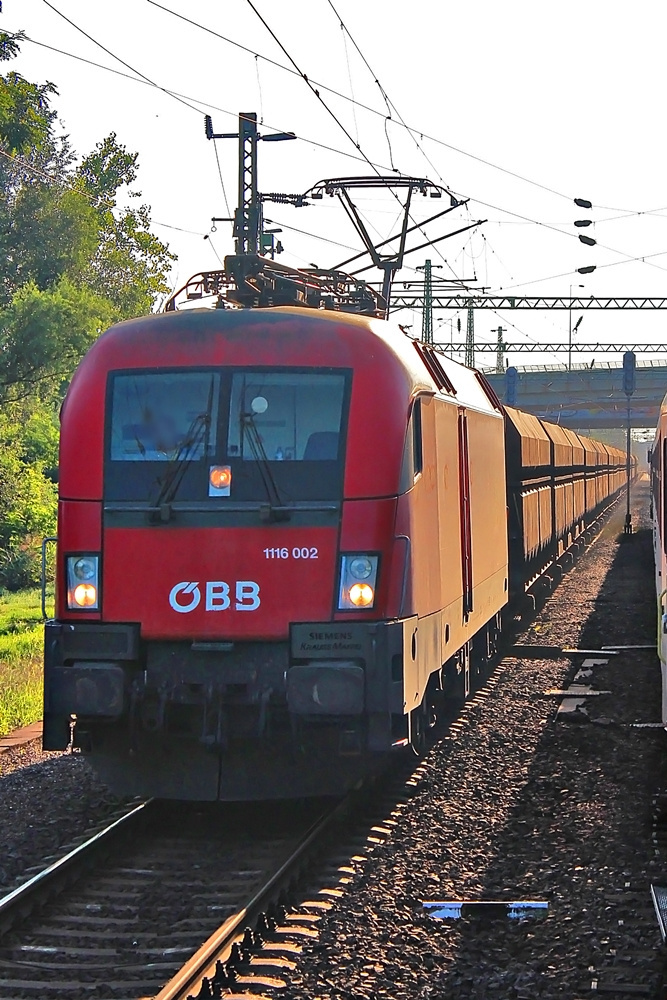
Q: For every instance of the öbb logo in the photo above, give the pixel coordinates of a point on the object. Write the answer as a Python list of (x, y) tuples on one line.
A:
[(217, 596)]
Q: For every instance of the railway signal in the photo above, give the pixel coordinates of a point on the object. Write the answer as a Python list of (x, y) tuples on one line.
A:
[(629, 381), (629, 365)]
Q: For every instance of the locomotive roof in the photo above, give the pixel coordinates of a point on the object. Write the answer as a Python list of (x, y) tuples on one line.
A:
[(281, 335)]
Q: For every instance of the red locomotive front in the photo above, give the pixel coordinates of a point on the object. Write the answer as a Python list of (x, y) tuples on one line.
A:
[(223, 550)]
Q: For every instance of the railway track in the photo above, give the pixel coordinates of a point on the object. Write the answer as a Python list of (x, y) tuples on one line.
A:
[(124, 914), (119, 915)]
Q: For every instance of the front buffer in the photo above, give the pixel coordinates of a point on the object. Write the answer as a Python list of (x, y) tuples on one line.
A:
[(207, 720)]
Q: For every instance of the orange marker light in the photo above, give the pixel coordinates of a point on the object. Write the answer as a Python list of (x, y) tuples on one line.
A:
[(85, 595), (220, 477), (362, 595)]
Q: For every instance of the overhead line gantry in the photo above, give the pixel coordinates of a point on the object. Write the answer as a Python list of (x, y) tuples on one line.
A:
[(408, 299), (543, 347)]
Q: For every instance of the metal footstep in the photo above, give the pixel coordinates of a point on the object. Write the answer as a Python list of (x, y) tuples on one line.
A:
[(659, 897), (487, 909)]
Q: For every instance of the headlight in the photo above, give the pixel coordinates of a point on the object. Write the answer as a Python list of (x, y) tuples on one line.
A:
[(362, 595), (358, 574), (361, 567), (85, 595), (83, 582), (84, 568)]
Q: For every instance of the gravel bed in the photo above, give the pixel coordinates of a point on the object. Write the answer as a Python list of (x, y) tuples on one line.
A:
[(46, 800), (517, 805)]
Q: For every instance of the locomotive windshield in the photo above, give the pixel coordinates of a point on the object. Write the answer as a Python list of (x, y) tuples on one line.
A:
[(297, 417), (167, 431), (160, 417)]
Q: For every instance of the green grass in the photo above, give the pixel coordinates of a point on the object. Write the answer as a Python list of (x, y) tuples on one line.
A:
[(21, 637), (20, 612)]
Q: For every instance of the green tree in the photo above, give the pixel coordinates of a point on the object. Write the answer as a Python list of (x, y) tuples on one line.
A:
[(130, 264), (28, 495), (50, 232), (26, 117), (39, 436), (43, 334), (75, 256)]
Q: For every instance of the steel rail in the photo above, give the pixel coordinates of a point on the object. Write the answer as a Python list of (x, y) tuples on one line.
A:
[(216, 948), (18, 903)]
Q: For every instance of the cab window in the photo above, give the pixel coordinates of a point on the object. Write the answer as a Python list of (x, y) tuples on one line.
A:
[(413, 451)]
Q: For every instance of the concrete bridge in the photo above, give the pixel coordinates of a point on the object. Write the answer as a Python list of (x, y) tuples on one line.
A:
[(585, 397)]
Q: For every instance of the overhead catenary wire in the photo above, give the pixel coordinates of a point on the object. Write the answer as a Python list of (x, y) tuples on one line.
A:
[(27, 166), (117, 58), (138, 72), (315, 89), (142, 78), (168, 225), (555, 229), (304, 232), (335, 117), (656, 213), (293, 70), (212, 246), (569, 274), (357, 144), (144, 81), (497, 256), (413, 130), (277, 222), (259, 92), (349, 77), (331, 90), (385, 96), (203, 103)]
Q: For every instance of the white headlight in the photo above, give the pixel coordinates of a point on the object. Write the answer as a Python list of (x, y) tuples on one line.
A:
[(354, 595), (361, 567), (83, 582), (84, 568)]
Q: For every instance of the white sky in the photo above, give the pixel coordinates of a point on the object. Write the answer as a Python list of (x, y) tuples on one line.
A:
[(569, 95)]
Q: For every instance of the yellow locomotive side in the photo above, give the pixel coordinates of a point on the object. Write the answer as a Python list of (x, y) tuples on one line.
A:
[(456, 519)]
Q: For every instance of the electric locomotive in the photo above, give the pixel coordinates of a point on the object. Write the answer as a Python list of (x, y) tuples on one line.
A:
[(285, 534), (275, 527)]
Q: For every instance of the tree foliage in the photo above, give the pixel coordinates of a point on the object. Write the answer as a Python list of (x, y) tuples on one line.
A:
[(49, 233), (28, 494), (25, 115), (43, 334), (130, 262), (76, 254)]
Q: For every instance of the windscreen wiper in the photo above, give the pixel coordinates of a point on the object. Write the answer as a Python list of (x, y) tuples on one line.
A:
[(174, 476), (199, 429), (275, 510)]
